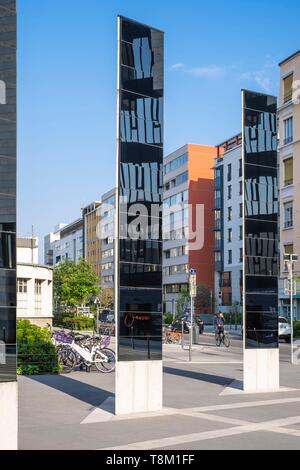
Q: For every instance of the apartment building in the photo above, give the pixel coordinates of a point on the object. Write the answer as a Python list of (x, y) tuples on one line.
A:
[(66, 242), (228, 226), (188, 182), (107, 214), (91, 240), (289, 164), (34, 285)]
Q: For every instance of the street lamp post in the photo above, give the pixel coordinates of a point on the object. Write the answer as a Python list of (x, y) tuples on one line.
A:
[(290, 289), (193, 291)]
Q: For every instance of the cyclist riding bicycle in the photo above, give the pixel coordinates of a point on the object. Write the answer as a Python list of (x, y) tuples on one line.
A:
[(220, 324)]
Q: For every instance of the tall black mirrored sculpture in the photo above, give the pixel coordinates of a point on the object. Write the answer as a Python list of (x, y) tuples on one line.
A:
[(260, 280), (8, 384), (138, 248)]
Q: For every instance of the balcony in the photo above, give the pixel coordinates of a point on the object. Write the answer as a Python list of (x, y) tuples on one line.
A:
[(288, 224), (218, 224), (218, 245), (288, 140), (218, 183), (218, 203)]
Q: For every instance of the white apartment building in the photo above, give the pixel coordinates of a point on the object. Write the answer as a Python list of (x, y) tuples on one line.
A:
[(289, 182), (66, 242), (228, 225), (107, 215), (34, 284)]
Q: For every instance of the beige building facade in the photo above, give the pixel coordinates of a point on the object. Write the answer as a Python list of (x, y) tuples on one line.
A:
[(91, 241), (289, 182)]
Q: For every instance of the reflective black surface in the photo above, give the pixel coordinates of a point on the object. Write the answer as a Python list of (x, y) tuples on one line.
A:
[(141, 251), (8, 192), (140, 189), (261, 219)]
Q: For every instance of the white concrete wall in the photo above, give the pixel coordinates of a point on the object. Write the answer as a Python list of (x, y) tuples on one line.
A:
[(28, 255), (261, 370), (9, 416), (138, 387)]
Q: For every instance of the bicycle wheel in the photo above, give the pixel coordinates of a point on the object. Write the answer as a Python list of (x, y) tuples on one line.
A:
[(105, 360), (66, 359), (217, 339), (226, 341)]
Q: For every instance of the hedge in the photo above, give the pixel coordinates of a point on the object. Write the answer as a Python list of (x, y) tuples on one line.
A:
[(36, 352), (74, 322)]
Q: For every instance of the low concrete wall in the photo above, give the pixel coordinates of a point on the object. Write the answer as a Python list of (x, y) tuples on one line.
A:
[(8, 416)]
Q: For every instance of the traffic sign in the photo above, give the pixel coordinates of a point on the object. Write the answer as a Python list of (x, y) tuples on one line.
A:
[(193, 271)]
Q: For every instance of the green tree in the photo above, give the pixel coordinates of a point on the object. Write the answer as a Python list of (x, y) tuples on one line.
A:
[(182, 302), (202, 299), (106, 298), (74, 283)]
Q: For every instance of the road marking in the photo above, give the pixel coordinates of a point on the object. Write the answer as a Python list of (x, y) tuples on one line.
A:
[(236, 388), (105, 411), (202, 362), (202, 436), (243, 404)]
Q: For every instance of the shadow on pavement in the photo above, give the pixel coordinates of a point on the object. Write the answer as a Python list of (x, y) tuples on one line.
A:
[(82, 391), (213, 379)]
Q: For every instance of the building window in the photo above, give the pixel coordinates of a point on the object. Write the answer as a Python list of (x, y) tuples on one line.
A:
[(229, 192), (22, 286), (241, 232), (240, 167), (288, 214), (226, 279), (289, 249), (229, 214), (176, 163), (241, 255), (229, 172), (229, 235), (288, 130), (229, 256), (241, 188), (241, 209), (288, 88), (38, 286), (288, 171)]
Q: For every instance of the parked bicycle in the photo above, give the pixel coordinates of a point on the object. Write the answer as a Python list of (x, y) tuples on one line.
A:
[(84, 351)]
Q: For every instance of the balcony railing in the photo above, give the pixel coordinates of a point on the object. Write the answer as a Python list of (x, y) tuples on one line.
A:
[(288, 140), (288, 224)]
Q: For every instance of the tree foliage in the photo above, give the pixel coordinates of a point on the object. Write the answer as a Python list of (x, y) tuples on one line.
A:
[(202, 300), (106, 298), (182, 302), (74, 283)]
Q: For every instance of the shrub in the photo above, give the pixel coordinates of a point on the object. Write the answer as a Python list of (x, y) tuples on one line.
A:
[(297, 329), (36, 352), (74, 322), (168, 318), (231, 317)]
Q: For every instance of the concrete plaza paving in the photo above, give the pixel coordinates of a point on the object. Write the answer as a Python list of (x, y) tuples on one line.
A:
[(55, 411)]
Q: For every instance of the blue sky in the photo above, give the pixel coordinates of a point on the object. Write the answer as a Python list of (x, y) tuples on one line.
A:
[(67, 87)]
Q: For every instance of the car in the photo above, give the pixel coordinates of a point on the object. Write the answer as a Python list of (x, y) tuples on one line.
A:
[(284, 329)]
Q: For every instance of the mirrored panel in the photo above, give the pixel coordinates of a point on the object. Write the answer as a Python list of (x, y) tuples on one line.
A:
[(132, 348), (141, 251), (140, 275), (8, 193), (264, 339)]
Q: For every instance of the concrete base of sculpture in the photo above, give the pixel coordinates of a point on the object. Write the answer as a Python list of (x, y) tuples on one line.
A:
[(261, 370)]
